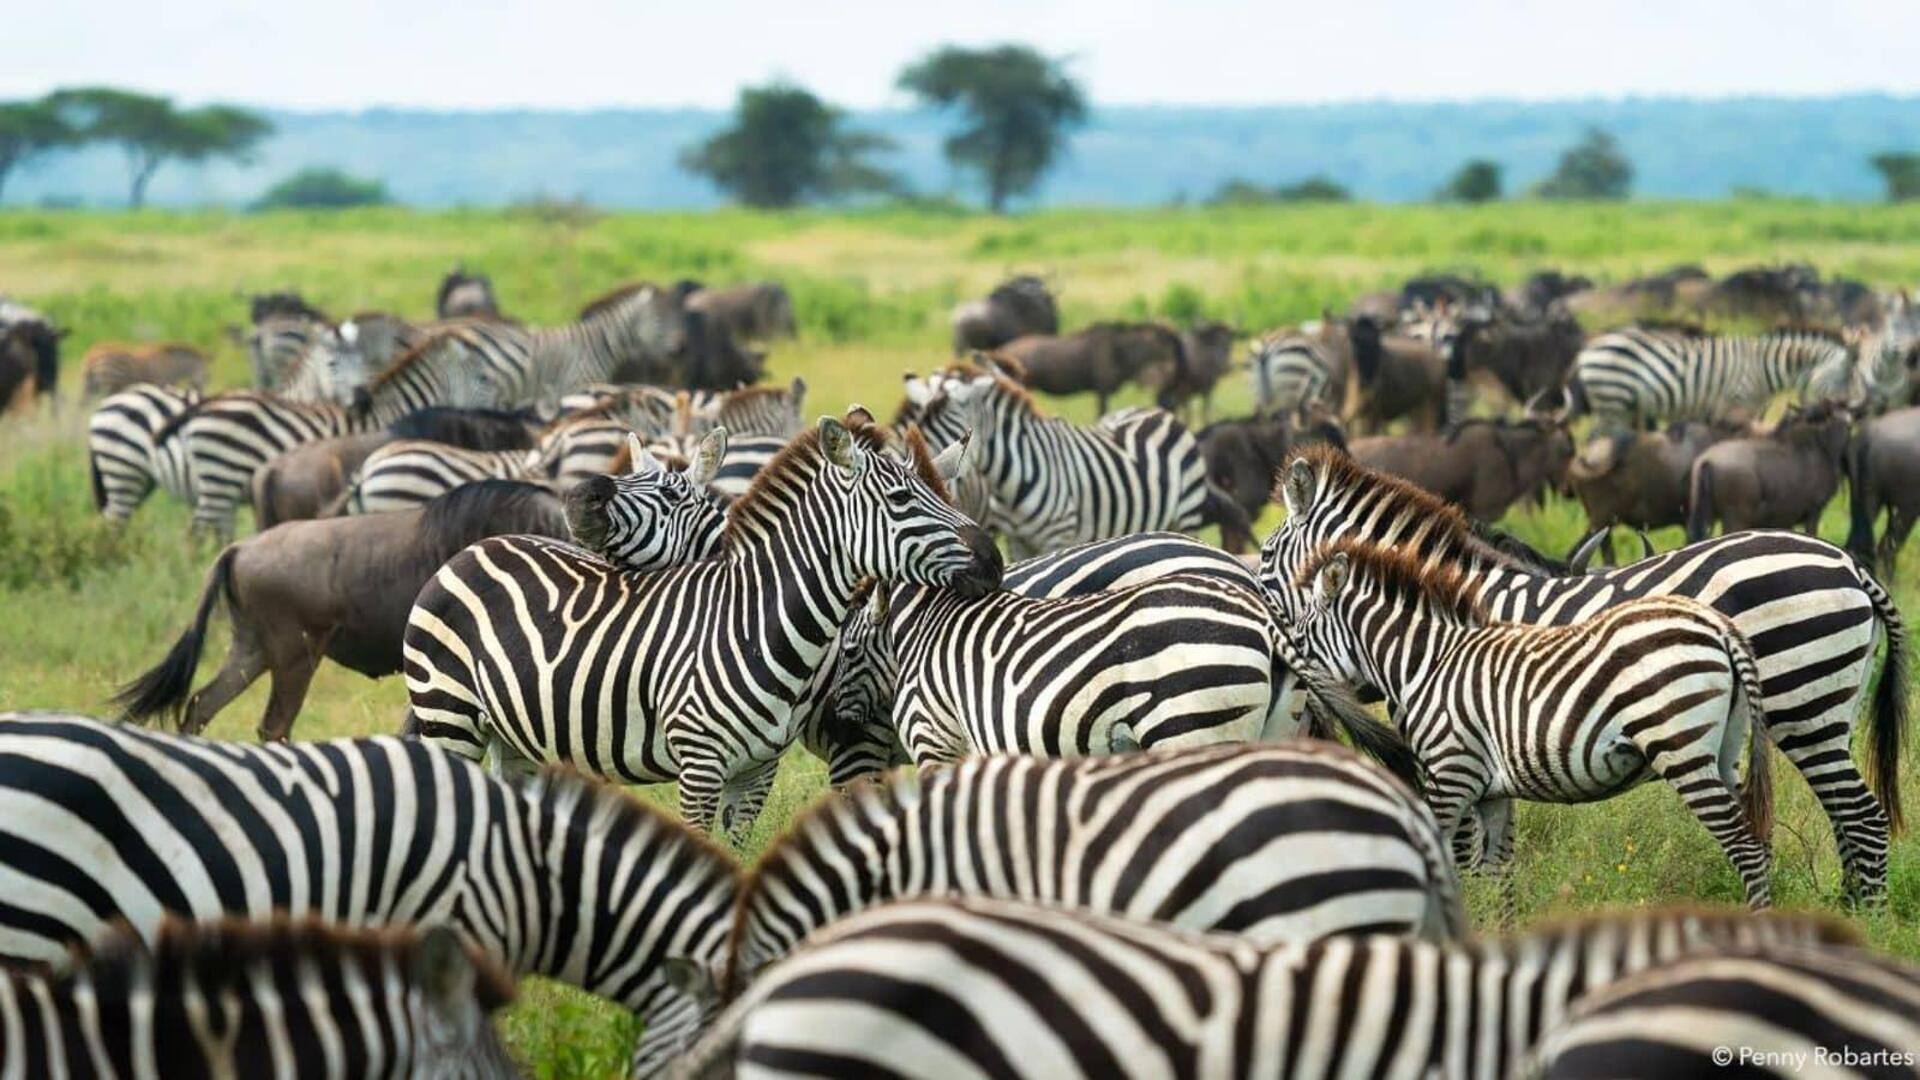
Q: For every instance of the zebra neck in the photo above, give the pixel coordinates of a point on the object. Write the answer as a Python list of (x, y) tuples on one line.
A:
[(1403, 644)]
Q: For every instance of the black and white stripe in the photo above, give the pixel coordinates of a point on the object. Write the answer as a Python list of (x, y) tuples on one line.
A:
[(565, 878), (1813, 616), (1640, 376), (1781, 1011), (651, 517), (977, 987), (281, 999), (1274, 843), (1293, 370), (541, 652), (1659, 686), (123, 460)]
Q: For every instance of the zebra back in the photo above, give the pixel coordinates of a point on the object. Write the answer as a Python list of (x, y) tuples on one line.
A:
[(123, 462)]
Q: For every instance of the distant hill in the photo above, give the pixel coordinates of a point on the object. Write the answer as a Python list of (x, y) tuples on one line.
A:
[(1126, 156)]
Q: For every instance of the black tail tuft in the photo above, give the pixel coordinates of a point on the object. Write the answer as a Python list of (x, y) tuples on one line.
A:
[(1889, 709), (163, 690), (99, 485), (1700, 503), (1860, 501), (1236, 528)]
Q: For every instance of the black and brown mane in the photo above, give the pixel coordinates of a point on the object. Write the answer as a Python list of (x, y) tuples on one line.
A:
[(1403, 576), (613, 298), (802, 456)]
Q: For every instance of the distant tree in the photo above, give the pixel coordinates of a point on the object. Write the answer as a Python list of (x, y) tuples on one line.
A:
[(1018, 103), (323, 189), (1240, 192), (1901, 173), (28, 129), (1477, 181), (1593, 168), (787, 146), (153, 131)]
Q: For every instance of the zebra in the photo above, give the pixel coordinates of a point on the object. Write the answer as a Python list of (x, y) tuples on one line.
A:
[(1776, 1010), (1294, 370), (281, 998), (689, 673), (227, 437), (1662, 686), (1812, 614), (1274, 843), (278, 347), (1055, 483), (772, 411), (650, 517), (989, 987), (561, 877), (123, 461), (406, 473), (1639, 375), (744, 459)]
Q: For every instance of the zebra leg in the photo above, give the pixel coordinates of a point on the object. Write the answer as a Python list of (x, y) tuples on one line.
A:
[(1821, 749), (1716, 805), (506, 763), (1469, 851), (743, 797), (1496, 828), (703, 776)]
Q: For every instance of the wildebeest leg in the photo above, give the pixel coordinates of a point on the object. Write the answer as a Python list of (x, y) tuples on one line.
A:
[(1100, 397), (1899, 526), (245, 661), (292, 658)]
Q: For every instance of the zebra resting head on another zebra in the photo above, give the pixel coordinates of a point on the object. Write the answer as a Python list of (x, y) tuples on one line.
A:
[(969, 986), (280, 998), (651, 517)]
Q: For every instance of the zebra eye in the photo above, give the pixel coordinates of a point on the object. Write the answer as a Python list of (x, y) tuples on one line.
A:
[(900, 496)]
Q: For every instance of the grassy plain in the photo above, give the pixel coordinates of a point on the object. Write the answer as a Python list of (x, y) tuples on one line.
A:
[(83, 608)]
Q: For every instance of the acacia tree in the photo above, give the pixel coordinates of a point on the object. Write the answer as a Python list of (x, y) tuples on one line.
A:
[(1477, 181), (1018, 103), (1901, 172), (787, 146), (1593, 168), (27, 129), (153, 131)]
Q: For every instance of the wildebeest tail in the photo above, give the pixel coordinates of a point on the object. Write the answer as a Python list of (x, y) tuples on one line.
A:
[(1220, 508), (1860, 503), (163, 690), (1700, 503)]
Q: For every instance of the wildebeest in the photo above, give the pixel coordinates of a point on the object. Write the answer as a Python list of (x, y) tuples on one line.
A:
[(21, 370), (1639, 479), (1243, 455), (1644, 297), (338, 587), (1526, 356), (111, 366), (1532, 297), (463, 295), (1099, 359), (1883, 474), (1016, 307), (1483, 466), (1778, 480), (1394, 376), (1209, 356), (749, 312)]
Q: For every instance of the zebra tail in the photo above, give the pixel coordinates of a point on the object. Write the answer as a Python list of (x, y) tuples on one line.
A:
[(1860, 504), (1381, 742), (99, 485), (1577, 404), (1236, 528), (163, 690), (1889, 707), (1700, 503), (1756, 794)]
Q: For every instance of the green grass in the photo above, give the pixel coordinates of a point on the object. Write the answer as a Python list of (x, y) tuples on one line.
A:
[(86, 608)]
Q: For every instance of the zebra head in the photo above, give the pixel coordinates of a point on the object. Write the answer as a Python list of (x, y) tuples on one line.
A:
[(895, 516), (652, 517), (857, 729)]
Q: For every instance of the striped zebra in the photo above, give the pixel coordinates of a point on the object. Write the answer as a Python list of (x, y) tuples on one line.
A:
[(278, 346), (564, 878), (744, 459), (1274, 843), (654, 410), (649, 516), (1660, 686), (1639, 376), (690, 673), (123, 460), (982, 987), (1781, 1011), (280, 999), (1812, 614), (227, 437), (1053, 483), (1295, 369)]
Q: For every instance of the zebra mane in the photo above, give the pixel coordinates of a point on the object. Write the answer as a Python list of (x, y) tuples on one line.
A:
[(1446, 533), (1817, 331), (1669, 923), (613, 298), (222, 949), (801, 457), (405, 361), (1681, 327), (1403, 575)]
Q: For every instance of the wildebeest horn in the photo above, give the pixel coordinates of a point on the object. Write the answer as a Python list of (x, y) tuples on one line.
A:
[(1646, 544), (1582, 553)]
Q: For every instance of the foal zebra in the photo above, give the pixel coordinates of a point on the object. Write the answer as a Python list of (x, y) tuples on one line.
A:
[(979, 987), (281, 999), (1662, 685), (1780, 1010), (564, 878), (545, 653), (1811, 613), (1639, 375), (123, 460), (1274, 843)]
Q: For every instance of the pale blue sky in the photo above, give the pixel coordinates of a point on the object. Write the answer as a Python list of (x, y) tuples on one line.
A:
[(587, 53)]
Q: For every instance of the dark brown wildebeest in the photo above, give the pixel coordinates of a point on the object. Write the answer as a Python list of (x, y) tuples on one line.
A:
[(1644, 297), (1209, 356), (1483, 466), (112, 366), (1883, 474), (1099, 359), (29, 357), (1015, 308), (1393, 376), (466, 296), (1533, 297), (1639, 479), (1243, 455), (338, 588), (1525, 356), (751, 312), (1778, 480)]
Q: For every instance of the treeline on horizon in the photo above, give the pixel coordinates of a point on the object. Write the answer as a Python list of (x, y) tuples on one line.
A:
[(1001, 127)]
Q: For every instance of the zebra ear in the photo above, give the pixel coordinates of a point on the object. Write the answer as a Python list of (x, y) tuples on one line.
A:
[(952, 462), (878, 602), (1332, 578), (837, 443), (797, 393), (706, 459), (691, 978), (446, 977), (919, 391), (1297, 490), (640, 460)]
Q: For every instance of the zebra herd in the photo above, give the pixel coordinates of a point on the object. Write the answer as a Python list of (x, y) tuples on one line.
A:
[(1132, 847)]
